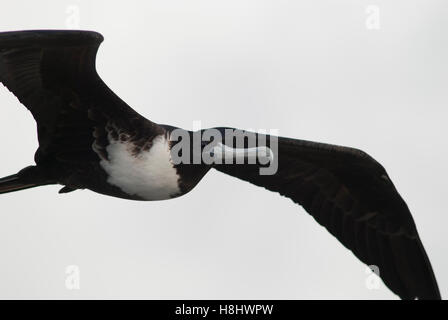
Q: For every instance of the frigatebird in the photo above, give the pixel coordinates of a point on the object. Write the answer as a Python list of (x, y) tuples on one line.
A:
[(90, 139)]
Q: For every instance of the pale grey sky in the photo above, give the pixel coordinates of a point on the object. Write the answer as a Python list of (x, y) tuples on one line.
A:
[(313, 69)]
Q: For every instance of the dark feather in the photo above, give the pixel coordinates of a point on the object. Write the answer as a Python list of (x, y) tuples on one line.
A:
[(350, 194), (53, 74)]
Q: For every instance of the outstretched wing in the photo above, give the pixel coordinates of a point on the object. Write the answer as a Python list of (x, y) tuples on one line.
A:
[(52, 72), (351, 195)]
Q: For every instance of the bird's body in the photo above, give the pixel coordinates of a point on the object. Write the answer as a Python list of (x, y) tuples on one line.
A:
[(149, 174), (90, 139)]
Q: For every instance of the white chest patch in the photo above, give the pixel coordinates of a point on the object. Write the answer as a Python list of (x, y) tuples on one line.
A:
[(149, 175)]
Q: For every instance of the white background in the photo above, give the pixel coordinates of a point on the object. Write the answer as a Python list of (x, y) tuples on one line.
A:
[(311, 69)]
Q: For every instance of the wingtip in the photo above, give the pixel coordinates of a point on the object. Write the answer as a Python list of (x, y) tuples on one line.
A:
[(48, 37)]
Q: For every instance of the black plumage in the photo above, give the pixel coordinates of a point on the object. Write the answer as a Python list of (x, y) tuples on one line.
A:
[(53, 74), (351, 195)]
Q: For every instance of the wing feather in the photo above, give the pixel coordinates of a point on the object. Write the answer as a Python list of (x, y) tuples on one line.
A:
[(53, 73), (351, 195)]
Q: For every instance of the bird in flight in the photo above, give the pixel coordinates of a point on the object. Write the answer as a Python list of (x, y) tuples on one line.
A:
[(90, 139)]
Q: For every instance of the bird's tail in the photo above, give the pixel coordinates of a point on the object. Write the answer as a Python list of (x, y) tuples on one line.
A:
[(24, 179), (13, 183)]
